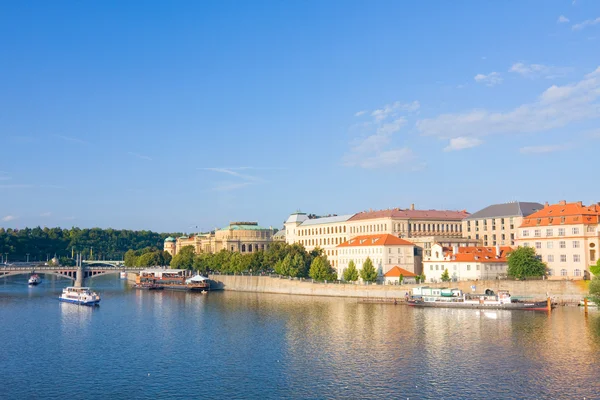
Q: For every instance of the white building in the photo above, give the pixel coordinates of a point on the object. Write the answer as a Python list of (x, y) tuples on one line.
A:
[(384, 250), (466, 263)]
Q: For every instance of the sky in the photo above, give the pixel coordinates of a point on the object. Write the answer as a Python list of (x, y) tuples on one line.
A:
[(183, 116)]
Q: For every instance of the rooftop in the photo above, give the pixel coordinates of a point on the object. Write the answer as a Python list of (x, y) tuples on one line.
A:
[(376, 240), (412, 214), (326, 220), (244, 226), (512, 209), (564, 213), (397, 271), (477, 254)]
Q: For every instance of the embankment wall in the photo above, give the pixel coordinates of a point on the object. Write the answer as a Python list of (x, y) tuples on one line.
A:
[(561, 291)]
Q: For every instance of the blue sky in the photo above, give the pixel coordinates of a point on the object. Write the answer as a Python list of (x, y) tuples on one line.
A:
[(172, 115)]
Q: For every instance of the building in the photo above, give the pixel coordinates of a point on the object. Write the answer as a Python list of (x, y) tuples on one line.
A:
[(565, 236), (279, 236), (498, 223), (392, 277), (323, 232), (243, 237), (466, 263), (384, 250)]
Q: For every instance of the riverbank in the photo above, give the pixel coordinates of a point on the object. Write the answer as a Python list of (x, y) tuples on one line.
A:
[(560, 291)]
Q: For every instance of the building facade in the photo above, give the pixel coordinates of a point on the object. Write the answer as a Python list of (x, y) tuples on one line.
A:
[(566, 237), (385, 251), (498, 224), (243, 237), (466, 263)]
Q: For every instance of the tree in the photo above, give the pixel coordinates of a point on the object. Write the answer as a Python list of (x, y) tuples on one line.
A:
[(282, 267), (320, 270), (401, 279), (445, 276), (595, 269), (184, 259), (130, 258), (368, 273), (351, 273), (523, 262), (595, 290)]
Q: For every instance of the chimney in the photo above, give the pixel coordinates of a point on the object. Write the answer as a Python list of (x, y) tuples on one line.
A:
[(497, 250), (546, 204), (580, 204), (455, 249), (562, 202), (412, 206)]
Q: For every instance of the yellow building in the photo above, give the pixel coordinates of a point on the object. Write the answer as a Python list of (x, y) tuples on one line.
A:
[(243, 237)]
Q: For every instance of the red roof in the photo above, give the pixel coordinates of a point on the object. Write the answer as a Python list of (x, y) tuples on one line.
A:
[(376, 240), (396, 271), (478, 254), (412, 214), (563, 213)]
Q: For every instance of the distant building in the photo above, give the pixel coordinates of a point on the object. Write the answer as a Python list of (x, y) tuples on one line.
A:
[(498, 223), (466, 263), (279, 236), (566, 236), (392, 277), (243, 237), (384, 250)]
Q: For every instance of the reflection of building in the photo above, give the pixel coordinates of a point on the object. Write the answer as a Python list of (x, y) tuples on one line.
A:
[(498, 223), (385, 251), (466, 263), (243, 237), (566, 237)]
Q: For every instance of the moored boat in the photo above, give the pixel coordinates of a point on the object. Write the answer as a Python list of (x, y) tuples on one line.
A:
[(172, 279), (35, 280), (455, 298), (147, 286), (79, 295)]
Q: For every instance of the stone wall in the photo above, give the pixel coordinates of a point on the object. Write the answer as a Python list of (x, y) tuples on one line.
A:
[(561, 291)]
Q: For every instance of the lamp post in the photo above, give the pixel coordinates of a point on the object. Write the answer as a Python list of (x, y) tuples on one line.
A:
[(27, 257), (5, 258)]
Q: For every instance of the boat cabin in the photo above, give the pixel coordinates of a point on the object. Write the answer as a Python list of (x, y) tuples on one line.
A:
[(164, 276)]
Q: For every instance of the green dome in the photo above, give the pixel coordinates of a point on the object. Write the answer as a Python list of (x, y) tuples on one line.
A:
[(170, 239)]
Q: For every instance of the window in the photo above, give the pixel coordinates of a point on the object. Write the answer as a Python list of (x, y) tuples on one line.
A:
[(549, 245), (563, 258), (575, 244), (562, 244), (477, 268), (576, 258), (550, 272), (538, 232), (526, 244), (563, 272), (431, 267), (525, 233), (437, 267), (455, 267), (561, 231), (577, 272), (538, 245), (549, 232), (468, 267), (591, 229), (550, 258), (575, 231)]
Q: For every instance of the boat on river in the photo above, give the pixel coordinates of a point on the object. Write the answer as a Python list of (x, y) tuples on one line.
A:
[(34, 280), (455, 298), (79, 295), (172, 279), (147, 286)]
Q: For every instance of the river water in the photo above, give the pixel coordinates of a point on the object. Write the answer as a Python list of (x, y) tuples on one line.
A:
[(146, 345)]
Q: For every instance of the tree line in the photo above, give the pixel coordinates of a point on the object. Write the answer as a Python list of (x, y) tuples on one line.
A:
[(43, 243)]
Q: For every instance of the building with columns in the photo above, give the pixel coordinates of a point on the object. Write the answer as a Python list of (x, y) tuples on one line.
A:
[(566, 236), (243, 237)]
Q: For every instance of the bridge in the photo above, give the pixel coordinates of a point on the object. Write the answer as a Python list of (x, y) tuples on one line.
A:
[(77, 274)]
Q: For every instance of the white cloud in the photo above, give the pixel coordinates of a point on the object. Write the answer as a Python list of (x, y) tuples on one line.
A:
[(556, 107), (562, 19), (491, 79), (9, 218), (585, 24), (543, 148), (538, 70), (70, 139), (358, 114), (140, 156), (246, 179), (392, 110), (461, 143)]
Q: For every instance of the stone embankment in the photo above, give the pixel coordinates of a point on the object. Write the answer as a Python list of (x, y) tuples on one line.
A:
[(560, 291)]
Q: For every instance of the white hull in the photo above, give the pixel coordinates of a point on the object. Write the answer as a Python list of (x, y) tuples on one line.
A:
[(83, 296)]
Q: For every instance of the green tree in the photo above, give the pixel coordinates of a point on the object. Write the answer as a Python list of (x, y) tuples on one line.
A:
[(401, 279), (368, 273), (184, 259), (321, 270), (351, 273), (595, 269), (595, 290), (523, 262), (445, 276), (130, 258), (282, 267)]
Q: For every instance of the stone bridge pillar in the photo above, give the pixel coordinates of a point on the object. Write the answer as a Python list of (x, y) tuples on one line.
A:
[(79, 276)]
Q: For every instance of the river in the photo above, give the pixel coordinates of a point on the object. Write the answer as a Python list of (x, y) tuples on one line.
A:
[(146, 345)]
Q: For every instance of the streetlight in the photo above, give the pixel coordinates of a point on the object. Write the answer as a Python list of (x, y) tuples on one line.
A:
[(5, 258), (27, 257)]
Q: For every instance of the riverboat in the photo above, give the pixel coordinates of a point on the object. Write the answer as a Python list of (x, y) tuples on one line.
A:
[(80, 295), (455, 298), (34, 280), (147, 286), (173, 279)]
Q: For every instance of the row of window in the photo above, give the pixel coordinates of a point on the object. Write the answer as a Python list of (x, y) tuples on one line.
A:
[(412, 227), (322, 241), (563, 258), (322, 231), (497, 267), (493, 222), (550, 232), (562, 244), (563, 272)]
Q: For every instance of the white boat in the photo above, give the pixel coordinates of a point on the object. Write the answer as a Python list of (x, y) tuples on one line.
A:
[(123, 275), (79, 295), (197, 279), (35, 280)]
